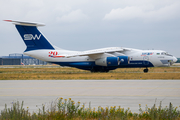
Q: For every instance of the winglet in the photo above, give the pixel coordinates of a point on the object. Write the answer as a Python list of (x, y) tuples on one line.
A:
[(24, 23)]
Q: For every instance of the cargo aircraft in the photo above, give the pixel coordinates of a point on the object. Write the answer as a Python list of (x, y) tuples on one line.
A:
[(97, 60)]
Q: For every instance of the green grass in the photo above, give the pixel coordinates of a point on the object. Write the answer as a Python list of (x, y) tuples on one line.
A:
[(65, 109), (77, 74)]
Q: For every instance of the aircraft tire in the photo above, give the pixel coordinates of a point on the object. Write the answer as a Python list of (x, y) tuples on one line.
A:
[(146, 70), (102, 70)]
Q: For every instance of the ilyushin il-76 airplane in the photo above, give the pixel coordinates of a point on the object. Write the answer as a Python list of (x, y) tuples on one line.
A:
[(97, 60)]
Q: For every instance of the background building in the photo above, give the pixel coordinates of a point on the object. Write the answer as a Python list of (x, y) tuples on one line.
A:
[(20, 59)]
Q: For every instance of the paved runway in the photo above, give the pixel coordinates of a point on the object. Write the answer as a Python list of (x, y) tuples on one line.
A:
[(126, 93)]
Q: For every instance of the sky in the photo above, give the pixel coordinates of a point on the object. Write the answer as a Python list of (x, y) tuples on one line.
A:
[(91, 24)]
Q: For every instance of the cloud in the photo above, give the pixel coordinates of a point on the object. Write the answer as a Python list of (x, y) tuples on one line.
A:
[(41, 10), (124, 14), (94, 21), (145, 13), (74, 16)]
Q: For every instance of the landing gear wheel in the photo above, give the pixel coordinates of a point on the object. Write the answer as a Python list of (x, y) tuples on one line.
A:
[(107, 71), (99, 69), (145, 70)]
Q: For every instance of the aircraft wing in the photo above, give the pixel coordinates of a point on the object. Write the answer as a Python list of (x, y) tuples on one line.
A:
[(97, 52)]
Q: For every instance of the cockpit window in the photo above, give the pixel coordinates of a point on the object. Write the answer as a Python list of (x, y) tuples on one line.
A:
[(165, 53), (168, 54)]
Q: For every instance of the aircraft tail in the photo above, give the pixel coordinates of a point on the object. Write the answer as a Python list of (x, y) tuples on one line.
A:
[(31, 36)]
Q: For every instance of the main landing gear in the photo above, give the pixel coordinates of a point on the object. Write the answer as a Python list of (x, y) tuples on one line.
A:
[(99, 69), (146, 70)]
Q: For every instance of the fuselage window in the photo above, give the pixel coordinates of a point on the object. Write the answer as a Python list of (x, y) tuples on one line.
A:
[(158, 53)]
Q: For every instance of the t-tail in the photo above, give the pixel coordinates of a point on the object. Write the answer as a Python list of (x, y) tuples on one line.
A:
[(31, 36)]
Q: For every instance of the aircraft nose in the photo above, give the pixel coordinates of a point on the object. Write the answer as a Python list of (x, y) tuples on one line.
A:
[(174, 59)]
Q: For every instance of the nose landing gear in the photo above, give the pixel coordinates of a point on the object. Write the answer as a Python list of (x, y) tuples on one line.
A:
[(146, 70)]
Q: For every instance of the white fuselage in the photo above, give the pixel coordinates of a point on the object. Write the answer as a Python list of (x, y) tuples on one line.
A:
[(158, 58)]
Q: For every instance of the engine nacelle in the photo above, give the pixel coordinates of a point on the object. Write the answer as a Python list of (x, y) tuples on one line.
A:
[(112, 61), (124, 60), (108, 61)]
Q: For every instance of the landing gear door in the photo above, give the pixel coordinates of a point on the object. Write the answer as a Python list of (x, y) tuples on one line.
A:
[(146, 60)]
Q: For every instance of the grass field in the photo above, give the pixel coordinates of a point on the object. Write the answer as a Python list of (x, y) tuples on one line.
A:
[(69, 110), (59, 73)]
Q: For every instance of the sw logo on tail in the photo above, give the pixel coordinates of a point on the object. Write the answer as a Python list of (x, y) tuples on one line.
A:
[(31, 37), (98, 60)]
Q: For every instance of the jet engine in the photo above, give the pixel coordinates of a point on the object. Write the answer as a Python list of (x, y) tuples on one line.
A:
[(124, 60), (112, 61), (108, 61)]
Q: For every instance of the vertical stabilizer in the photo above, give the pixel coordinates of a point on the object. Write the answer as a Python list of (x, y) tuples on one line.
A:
[(31, 36)]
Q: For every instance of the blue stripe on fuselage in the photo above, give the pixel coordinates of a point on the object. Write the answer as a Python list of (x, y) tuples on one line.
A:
[(88, 65)]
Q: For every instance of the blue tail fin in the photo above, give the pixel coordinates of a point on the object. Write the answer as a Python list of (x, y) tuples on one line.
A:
[(32, 37)]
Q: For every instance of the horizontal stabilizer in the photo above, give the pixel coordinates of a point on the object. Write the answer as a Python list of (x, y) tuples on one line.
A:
[(25, 23)]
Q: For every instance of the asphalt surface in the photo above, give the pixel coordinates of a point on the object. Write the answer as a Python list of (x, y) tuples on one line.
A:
[(104, 93)]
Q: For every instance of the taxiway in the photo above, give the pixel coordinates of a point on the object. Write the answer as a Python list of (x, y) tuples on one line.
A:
[(104, 93)]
